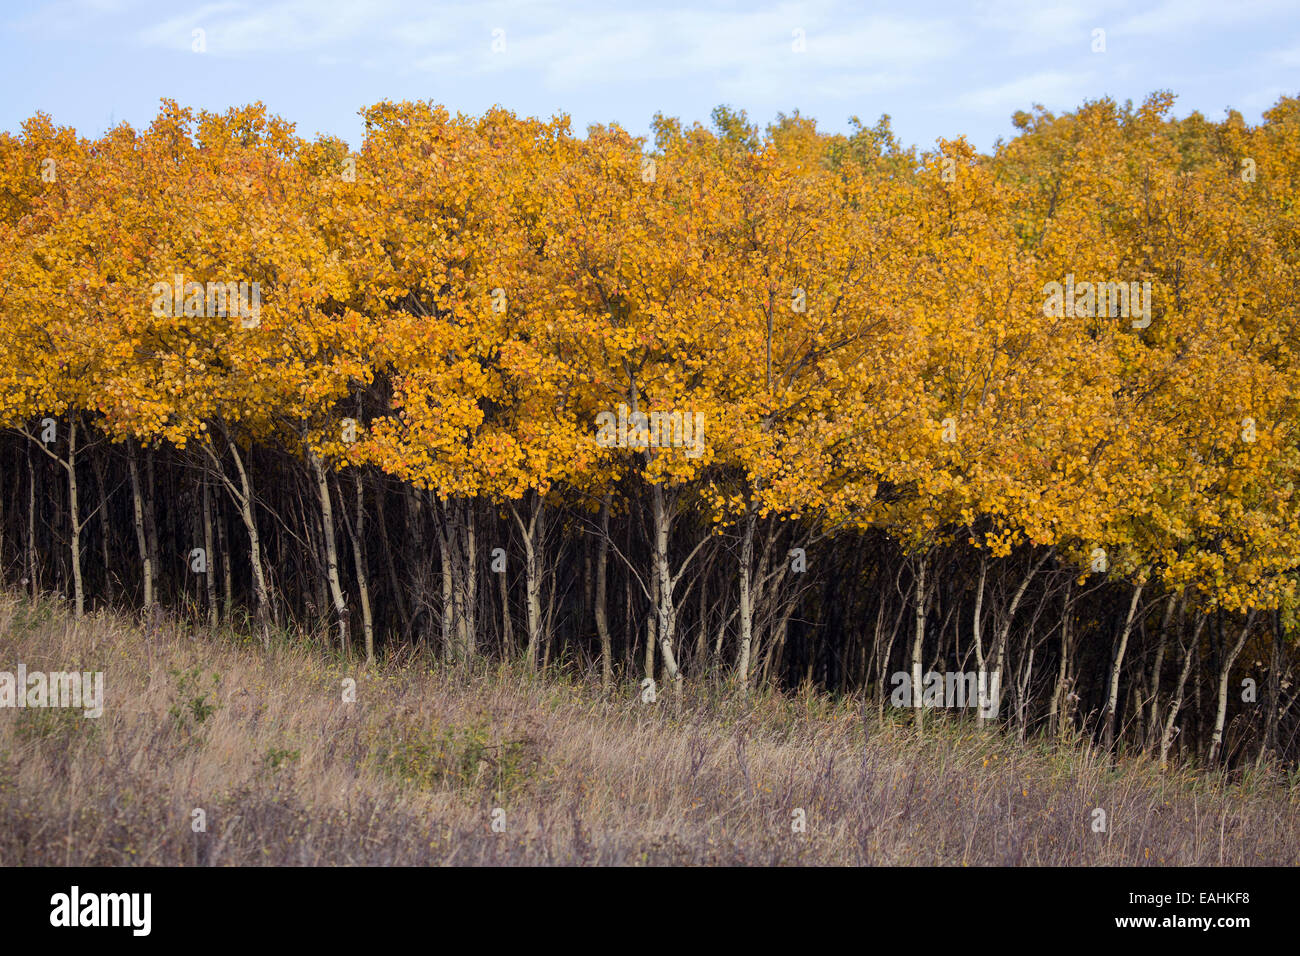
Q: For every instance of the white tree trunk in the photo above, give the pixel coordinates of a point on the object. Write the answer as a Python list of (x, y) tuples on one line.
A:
[(363, 579), (331, 553), (746, 606), (918, 640), (78, 590), (210, 574), (667, 614), (137, 503), (1225, 674), (1112, 698), (602, 620)]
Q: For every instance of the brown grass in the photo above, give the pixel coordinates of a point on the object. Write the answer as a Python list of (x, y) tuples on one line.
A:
[(411, 773)]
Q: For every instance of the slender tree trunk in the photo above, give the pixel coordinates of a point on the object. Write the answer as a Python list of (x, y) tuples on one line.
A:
[(315, 580), (448, 592), (547, 621), (357, 535), (4, 526), (918, 640), (533, 596), (469, 579), (1270, 744), (629, 623), (1112, 699), (746, 609), (718, 638), (532, 533), (885, 658), (1167, 736), (650, 620), (1153, 715), (1054, 722), (602, 621), (458, 544), (700, 657), (588, 582), (227, 573), (1216, 638), (978, 629), (32, 569), (331, 554), (137, 503), (1022, 687), (507, 624), (243, 497), (1004, 632), (74, 510), (105, 538), (1225, 674), (667, 614), (154, 566), (210, 574)]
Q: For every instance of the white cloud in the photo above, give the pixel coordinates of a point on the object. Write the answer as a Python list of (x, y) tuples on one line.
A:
[(1046, 87), (1174, 16), (569, 48), (240, 29), (1032, 27), (1263, 99)]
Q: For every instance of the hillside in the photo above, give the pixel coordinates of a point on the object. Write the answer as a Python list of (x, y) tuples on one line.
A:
[(417, 770)]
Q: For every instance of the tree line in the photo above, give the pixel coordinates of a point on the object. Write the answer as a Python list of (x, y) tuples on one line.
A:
[(774, 407)]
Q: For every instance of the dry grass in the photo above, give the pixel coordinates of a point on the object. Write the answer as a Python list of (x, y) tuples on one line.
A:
[(411, 773)]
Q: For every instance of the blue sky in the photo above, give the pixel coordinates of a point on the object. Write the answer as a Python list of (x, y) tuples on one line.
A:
[(939, 69)]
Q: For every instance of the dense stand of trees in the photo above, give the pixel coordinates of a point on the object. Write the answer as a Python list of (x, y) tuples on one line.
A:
[(1032, 413)]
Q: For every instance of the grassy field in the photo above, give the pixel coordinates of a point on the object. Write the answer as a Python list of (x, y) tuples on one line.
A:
[(437, 766)]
